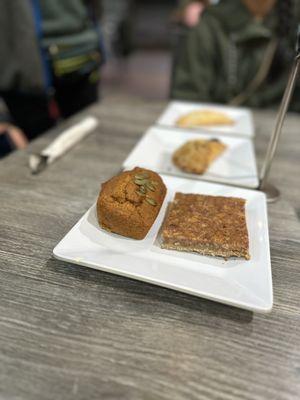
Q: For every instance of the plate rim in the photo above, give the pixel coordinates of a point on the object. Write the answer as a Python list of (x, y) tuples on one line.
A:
[(225, 181), (250, 126), (144, 278)]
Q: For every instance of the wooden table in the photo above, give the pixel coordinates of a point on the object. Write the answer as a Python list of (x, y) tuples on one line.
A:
[(69, 332)]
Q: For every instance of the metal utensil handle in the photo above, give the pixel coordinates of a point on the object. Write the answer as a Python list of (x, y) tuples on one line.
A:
[(279, 121)]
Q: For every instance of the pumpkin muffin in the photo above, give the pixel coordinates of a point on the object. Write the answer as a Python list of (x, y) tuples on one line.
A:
[(129, 203)]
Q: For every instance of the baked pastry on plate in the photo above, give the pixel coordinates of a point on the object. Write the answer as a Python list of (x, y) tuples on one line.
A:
[(204, 117), (209, 225), (195, 156), (129, 203)]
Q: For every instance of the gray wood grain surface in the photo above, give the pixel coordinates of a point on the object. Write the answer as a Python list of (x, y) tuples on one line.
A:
[(69, 332)]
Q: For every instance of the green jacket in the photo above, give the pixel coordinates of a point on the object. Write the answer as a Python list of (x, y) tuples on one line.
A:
[(67, 23), (36, 32), (217, 60)]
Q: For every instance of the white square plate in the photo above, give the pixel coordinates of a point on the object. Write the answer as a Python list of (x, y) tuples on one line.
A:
[(237, 282), (235, 166), (243, 125)]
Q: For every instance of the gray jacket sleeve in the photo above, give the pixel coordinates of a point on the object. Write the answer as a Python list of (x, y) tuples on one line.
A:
[(20, 59)]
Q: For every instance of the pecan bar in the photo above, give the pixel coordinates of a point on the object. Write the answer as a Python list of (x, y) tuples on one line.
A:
[(209, 225)]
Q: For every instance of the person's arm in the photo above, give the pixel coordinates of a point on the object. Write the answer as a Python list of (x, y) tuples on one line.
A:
[(11, 138), (195, 67)]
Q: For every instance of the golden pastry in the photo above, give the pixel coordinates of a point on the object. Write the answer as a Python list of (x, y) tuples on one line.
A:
[(204, 118), (196, 156)]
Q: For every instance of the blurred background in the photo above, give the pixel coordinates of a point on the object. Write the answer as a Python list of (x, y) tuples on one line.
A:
[(135, 59), (58, 57), (138, 43)]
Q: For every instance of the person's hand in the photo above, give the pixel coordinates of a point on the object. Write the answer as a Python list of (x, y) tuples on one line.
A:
[(16, 135), (192, 13)]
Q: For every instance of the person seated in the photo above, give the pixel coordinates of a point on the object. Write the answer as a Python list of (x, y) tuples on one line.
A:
[(240, 52), (50, 54)]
